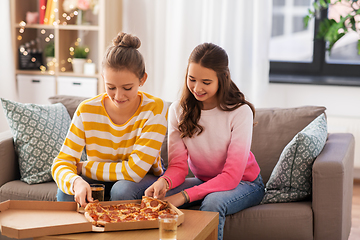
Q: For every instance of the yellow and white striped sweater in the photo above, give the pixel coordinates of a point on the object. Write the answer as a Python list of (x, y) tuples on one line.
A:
[(114, 152)]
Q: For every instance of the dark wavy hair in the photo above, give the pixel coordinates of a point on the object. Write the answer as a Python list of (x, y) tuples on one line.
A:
[(229, 97)]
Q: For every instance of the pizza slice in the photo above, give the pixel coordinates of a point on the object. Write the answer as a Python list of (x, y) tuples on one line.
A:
[(152, 203), (96, 214)]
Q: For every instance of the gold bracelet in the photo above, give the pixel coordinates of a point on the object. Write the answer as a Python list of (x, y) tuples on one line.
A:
[(167, 180), (167, 184)]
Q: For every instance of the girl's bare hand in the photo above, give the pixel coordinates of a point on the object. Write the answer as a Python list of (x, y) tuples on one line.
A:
[(82, 192), (158, 189)]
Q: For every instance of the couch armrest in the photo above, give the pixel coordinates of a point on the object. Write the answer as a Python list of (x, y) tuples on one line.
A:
[(333, 187), (9, 168)]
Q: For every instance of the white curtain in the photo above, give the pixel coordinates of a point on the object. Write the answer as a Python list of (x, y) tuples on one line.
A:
[(7, 68), (170, 29)]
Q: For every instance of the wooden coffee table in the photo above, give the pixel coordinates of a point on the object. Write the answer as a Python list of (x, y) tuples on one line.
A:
[(197, 225)]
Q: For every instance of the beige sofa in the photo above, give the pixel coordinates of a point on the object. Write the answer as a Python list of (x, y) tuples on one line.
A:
[(326, 216)]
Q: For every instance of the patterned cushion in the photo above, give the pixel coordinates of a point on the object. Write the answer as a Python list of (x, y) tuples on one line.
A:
[(291, 178), (39, 132)]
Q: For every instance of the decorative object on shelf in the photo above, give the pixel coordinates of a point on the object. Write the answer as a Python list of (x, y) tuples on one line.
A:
[(30, 57), (50, 12), (80, 18), (89, 68), (78, 8), (79, 54), (49, 53), (32, 17)]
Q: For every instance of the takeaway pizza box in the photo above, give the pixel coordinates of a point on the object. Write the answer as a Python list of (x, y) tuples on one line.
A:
[(26, 219)]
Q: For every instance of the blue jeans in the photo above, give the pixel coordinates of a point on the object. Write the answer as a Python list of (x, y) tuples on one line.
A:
[(245, 195), (120, 190)]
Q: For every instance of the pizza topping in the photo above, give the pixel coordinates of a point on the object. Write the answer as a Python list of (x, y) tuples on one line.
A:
[(147, 210), (154, 203), (105, 218)]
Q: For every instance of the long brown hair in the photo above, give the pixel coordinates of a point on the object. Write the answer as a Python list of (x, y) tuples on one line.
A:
[(229, 97), (123, 54)]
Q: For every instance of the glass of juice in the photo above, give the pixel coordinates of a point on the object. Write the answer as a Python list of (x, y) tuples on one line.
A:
[(98, 191), (167, 226)]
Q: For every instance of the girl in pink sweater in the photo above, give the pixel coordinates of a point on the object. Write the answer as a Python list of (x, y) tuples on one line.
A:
[(210, 131)]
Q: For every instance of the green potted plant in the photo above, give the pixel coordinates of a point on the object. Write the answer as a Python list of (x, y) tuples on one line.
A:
[(81, 52), (331, 30), (49, 53), (79, 58)]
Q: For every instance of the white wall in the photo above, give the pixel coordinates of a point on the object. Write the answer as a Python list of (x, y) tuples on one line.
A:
[(7, 70)]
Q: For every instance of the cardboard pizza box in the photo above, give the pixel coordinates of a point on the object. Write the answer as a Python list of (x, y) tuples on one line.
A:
[(26, 219)]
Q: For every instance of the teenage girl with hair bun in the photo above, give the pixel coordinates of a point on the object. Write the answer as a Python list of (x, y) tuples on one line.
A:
[(122, 130), (210, 131)]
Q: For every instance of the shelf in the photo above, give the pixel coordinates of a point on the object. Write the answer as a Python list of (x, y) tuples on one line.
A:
[(96, 33), (71, 74), (67, 74), (61, 27), (33, 72)]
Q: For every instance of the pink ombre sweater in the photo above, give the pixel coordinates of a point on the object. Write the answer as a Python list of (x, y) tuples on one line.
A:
[(220, 155)]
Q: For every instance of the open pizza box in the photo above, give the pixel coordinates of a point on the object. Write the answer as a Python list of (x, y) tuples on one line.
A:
[(26, 219)]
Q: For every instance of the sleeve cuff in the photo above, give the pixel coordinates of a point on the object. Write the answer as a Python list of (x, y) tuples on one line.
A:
[(72, 184)]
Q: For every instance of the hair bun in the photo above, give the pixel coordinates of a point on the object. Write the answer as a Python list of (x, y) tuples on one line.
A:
[(126, 40)]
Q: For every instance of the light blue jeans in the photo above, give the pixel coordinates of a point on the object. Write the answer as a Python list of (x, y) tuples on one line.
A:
[(245, 195), (120, 190)]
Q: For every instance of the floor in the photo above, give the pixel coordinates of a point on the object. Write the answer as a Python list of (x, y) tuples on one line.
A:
[(355, 228)]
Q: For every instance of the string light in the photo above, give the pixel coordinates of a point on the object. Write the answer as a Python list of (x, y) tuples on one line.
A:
[(26, 49)]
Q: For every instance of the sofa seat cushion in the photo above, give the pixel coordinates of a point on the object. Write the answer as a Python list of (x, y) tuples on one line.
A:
[(290, 221), (18, 190)]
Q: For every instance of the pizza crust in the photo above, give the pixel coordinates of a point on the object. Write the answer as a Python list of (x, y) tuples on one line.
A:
[(89, 218)]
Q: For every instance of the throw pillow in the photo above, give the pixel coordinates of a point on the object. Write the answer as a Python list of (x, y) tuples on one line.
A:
[(291, 179), (39, 132)]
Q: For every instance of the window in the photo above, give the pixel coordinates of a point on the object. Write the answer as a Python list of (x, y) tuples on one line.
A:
[(296, 56)]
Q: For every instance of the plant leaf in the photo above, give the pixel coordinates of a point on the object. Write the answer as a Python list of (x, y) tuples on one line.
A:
[(323, 4), (306, 20), (316, 6)]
